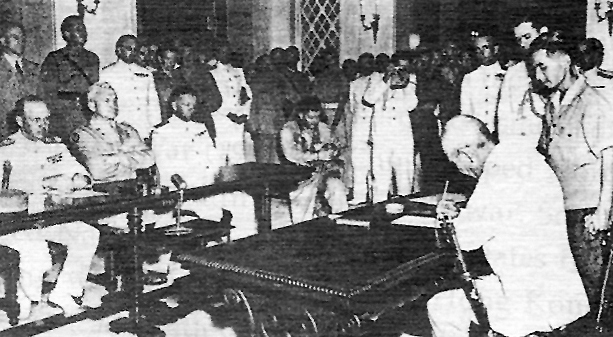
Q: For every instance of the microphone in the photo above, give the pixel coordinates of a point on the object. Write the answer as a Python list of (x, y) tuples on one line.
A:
[(178, 181), (181, 185), (6, 174)]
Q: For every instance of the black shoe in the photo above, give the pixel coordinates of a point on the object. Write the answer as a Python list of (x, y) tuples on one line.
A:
[(78, 300)]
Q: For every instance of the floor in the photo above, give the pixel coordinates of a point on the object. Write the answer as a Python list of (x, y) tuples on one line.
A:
[(197, 323)]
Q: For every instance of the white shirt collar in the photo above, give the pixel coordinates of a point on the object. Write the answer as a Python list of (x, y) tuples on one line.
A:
[(494, 68)]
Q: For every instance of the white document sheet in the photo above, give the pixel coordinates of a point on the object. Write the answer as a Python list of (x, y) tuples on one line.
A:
[(417, 221), (434, 199)]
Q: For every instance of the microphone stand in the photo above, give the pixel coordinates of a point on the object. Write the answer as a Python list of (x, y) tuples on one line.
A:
[(178, 229), (370, 193), (6, 173)]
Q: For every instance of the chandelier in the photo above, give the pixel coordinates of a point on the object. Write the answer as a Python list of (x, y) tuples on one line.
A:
[(608, 15), (374, 23), (82, 9)]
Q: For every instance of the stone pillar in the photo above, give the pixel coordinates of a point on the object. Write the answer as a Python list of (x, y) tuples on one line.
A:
[(600, 30), (240, 27), (271, 25), (113, 19)]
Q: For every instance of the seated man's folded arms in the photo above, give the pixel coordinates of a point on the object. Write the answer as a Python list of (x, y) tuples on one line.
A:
[(111, 150)]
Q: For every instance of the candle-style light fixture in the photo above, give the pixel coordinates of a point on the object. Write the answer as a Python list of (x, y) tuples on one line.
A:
[(374, 24), (82, 9), (608, 15)]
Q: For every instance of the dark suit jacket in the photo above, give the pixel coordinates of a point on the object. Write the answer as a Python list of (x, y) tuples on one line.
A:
[(66, 79), (61, 72), (199, 77), (165, 84), (13, 87)]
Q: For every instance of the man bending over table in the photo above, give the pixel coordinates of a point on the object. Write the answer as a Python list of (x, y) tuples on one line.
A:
[(41, 165), (516, 214)]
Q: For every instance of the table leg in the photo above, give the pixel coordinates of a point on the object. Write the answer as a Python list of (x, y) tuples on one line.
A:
[(265, 211), (136, 323)]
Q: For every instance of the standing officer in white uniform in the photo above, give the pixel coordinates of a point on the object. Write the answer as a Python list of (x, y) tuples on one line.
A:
[(184, 147), (42, 164), (480, 88), (137, 98), (520, 108), (231, 117), (393, 97), (361, 129)]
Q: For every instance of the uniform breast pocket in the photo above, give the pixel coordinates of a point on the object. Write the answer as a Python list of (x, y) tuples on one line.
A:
[(571, 152)]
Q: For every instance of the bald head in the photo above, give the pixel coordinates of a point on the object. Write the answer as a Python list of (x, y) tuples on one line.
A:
[(467, 143)]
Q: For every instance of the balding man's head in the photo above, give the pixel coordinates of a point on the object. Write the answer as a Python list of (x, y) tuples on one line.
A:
[(467, 143)]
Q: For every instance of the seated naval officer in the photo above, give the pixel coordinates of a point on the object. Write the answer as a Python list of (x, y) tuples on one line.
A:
[(516, 214), (184, 147), (111, 150), (306, 140), (43, 165)]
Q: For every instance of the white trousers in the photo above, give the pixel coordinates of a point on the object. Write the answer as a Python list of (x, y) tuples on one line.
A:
[(360, 157), (81, 241), (394, 153), (450, 314), (303, 199)]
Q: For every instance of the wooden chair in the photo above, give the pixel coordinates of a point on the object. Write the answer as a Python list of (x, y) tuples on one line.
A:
[(9, 271)]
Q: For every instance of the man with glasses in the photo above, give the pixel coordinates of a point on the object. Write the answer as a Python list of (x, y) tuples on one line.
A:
[(40, 164)]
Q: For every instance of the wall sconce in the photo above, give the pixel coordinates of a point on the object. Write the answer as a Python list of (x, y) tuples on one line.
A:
[(82, 9), (374, 24), (608, 15)]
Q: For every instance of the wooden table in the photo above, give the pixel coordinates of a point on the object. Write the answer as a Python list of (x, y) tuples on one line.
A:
[(319, 277), (259, 179)]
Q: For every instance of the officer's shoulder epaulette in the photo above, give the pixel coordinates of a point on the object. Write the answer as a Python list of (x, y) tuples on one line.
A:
[(608, 74), (109, 65), (157, 126), (32, 63), (7, 142), (52, 140)]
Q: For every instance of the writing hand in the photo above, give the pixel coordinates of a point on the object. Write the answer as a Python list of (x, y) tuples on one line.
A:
[(599, 221), (447, 209)]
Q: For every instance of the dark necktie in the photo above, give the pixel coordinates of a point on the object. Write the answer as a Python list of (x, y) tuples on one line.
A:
[(546, 120), (18, 68)]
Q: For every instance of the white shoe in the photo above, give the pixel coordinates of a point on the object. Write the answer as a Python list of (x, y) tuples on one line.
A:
[(25, 305), (66, 302)]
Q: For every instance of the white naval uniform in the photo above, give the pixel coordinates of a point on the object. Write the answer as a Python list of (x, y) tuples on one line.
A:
[(393, 142), (479, 93), (519, 111), (32, 162), (602, 81), (230, 137), (186, 148), (136, 95), (516, 214), (360, 133)]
